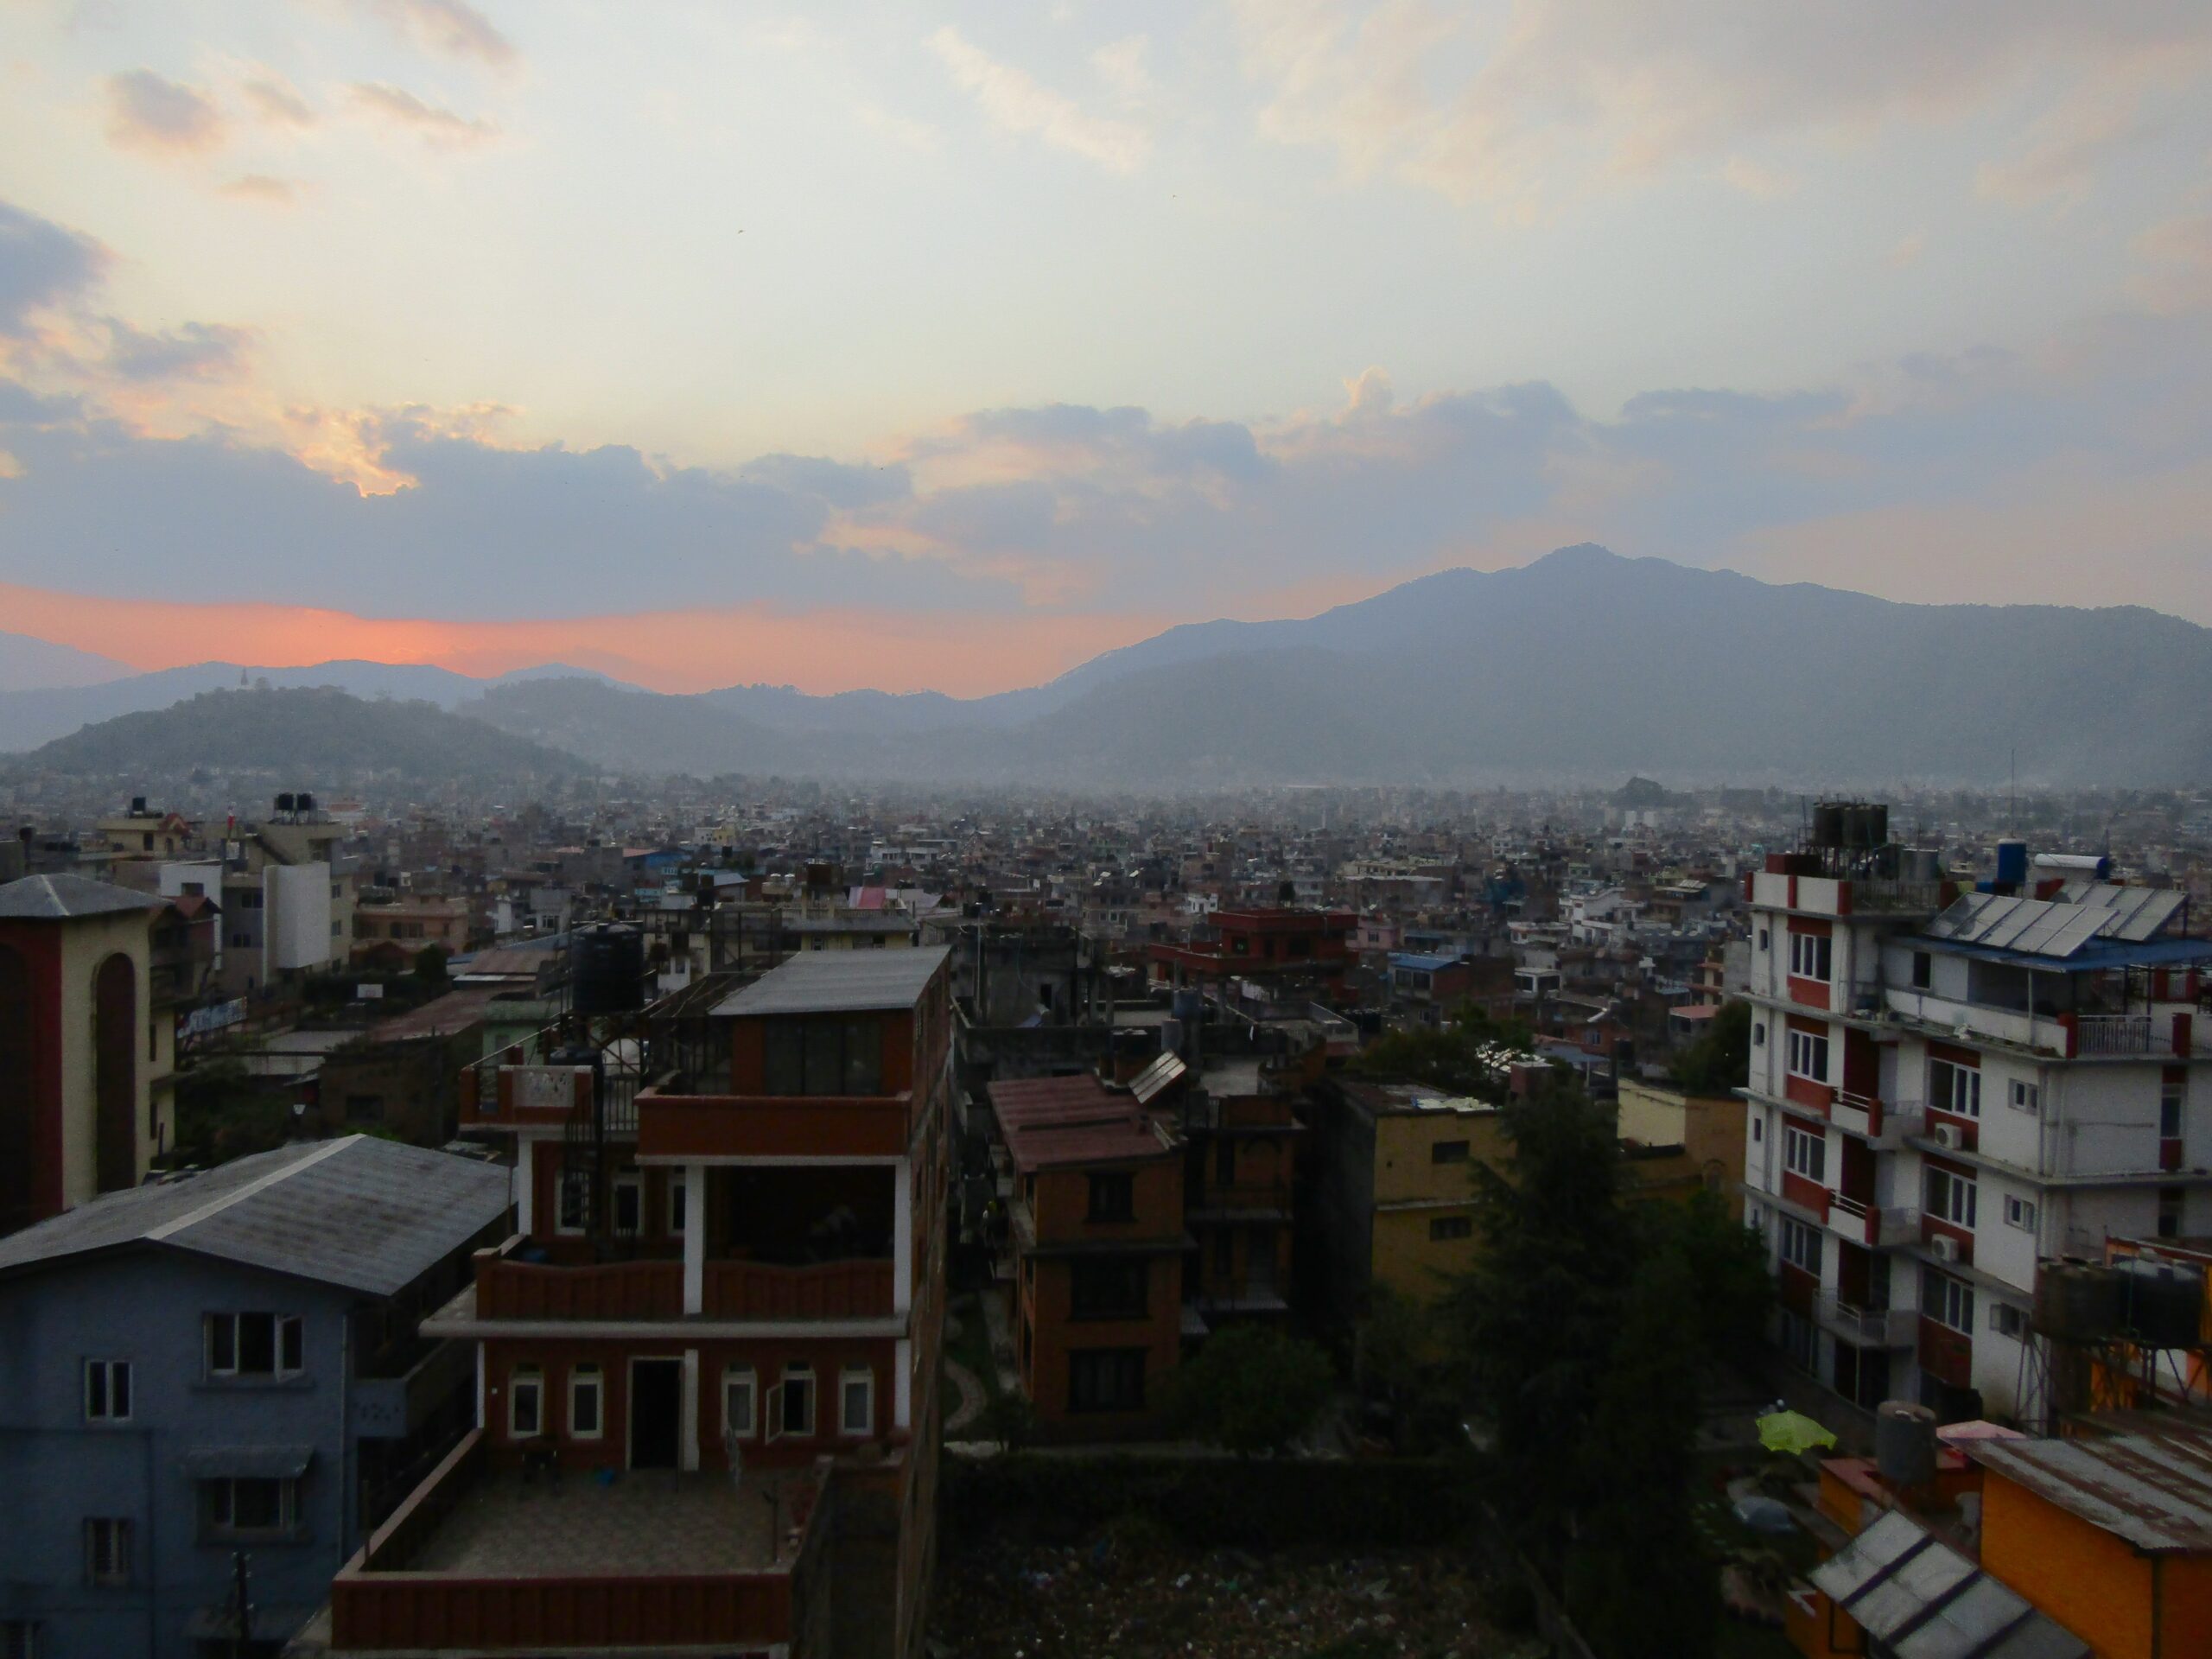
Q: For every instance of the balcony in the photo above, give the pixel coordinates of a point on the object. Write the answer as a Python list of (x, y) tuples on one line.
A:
[(1945, 1354), (1979, 1020), (675, 1126), (613, 1292), (1867, 1327), (480, 1560), (1877, 1228)]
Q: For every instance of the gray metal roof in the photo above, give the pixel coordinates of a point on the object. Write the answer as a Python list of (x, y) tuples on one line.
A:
[(58, 898), (366, 1214), (2154, 1490), (1926, 1601), (840, 981)]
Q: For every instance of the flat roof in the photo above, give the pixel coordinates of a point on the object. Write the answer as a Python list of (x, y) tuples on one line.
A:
[(2152, 1490), (839, 981)]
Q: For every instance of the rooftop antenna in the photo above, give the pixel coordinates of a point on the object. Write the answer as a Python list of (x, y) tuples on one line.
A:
[(2016, 789)]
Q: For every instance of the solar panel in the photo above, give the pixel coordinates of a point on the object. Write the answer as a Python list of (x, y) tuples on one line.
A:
[(1156, 1076), (2152, 911)]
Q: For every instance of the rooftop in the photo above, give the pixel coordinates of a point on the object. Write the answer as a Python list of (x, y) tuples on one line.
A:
[(839, 981), (2152, 1490), (643, 1523), (1920, 1597), (1055, 1122), (2090, 925), (367, 1214), (61, 898)]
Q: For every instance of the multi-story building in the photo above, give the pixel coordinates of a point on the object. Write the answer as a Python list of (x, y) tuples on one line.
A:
[(390, 931), (1949, 1089), (1260, 945), (708, 1359), (83, 1048), (224, 1363), (1098, 1243), (1241, 1132)]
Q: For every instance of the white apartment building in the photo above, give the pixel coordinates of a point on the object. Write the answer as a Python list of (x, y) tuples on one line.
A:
[(1949, 1089)]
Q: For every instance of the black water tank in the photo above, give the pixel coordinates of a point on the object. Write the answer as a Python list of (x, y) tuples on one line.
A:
[(2078, 1302), (606, 968), (1828, 824), (2165, 1303)]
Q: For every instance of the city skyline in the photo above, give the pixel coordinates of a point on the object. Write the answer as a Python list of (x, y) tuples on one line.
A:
[(879, 347)]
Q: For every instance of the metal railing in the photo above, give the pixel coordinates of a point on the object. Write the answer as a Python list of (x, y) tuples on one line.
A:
[(2115, 1033), (1888, 1327)]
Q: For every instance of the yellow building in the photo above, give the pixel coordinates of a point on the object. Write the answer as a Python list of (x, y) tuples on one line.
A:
[(1679, 1143)]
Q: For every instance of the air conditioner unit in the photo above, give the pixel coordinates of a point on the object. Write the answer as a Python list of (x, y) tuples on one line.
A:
[(1945, 1247), (1946, 1135)]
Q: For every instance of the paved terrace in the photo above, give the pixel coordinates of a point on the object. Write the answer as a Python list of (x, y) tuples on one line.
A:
[(644, 1524)]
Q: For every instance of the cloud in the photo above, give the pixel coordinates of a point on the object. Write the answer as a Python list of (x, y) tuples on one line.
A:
[(2177, 259), (1557, 98), (1012, 101), (263, 187), (42, 266), (162, 117), (436, 125), (276, 103), (2067, 145), (195, 350), (1760, 183), (450, 28), (1121, 66), (1909, 251)]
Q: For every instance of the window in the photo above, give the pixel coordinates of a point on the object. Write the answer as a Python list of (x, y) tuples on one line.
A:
[(1763, 938), (1801, 1343), (526, 1403), (1923, 970), (108, 1390), (1225, 1162), (573, 1198), (1445, 1228), (1950, 1197), (1954, 1088), (2169, 1203), (1804, 1152), (2020, 1212), (235, 1508), (1110, 1289), (20, 1639), (107, 1552), (2169, 1094), (586, 1393), (2007, 1320), (1811, 955), (1758, 1130), (1448, 1152), (856, 1402), (1106, 1379), (629, 1204), (797, 1415), (255, 1345), (740, 1402), (2026, 1096), (824, 1056), (1947, 1301), (1801, 1246), (1809, 1056), (679, 1199), (1759, 1034), (1114, 1196)]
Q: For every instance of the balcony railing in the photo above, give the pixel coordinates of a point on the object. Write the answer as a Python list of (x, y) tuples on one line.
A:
[(2117, 1033), (1878, 1228), (858, 1288), (1865, 1327)]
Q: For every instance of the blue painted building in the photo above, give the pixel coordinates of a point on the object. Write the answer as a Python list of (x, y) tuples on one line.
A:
[(225, 1363)]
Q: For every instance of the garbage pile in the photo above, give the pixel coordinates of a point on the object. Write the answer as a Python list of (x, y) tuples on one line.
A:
[(1114, 1600)]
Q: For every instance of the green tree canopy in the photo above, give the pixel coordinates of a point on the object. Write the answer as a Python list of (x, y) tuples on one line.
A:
[(1252, 1388), (1721, 1059)]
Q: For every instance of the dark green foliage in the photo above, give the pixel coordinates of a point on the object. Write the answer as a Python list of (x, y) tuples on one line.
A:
[(429, 969), (1252, 1388), (1249, 1504), (1639, 1583), (1721, 1060), (1726, 1262), (222, 1114), (1444, 1056)]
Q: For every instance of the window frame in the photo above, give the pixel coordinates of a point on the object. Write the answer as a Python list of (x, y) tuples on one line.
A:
[(1804, 1153), (1947, 1099), (1951, 1185), (1807, 1050), (2020, 1212), (528, 1379), (1447, 1230), (588, 1377), (287, 1346), (863, 1377), (1086, 1304), (219, 1519), (1086, 1397), (2008, 1321), (1449, 1152), (109, 1539), (1802, 1246), (1954, 1302), (2025, 1097), (108, 1371), (749, 1379), (2172, 1109), (629, 1184), (798, 1375), (1812, 956), (1121, 1182)]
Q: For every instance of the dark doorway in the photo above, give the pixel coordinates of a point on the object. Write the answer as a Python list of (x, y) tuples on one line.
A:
[(656, 1412), (18, 1117), (115, 1072)]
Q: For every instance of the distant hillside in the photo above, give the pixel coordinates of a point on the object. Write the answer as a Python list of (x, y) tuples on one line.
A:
[(26, 662), (310, 734)]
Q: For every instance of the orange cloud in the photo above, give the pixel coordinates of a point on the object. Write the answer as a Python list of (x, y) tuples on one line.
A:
[(819, 651)]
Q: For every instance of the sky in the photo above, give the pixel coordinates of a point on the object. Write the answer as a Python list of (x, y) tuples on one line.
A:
[(903, 345)]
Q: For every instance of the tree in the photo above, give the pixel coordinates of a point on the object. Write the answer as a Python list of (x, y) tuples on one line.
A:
[(1639, 1583), (1726, 1262), (1542, 1303), (430, 968), (1721, 1060), (1252, 1388), (1451, 1057)]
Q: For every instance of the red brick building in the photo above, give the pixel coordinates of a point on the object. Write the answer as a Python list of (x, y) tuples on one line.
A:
[(736, 1269), (1261, 945)]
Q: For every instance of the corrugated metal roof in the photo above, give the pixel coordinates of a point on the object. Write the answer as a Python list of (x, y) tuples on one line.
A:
[(2153, 1490), (840, 981), (58, 898), (367, 1214), (1926, 1601)]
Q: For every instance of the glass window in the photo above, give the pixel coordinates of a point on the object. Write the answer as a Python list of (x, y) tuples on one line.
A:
[(1811, 955), (1444, 1228), (1801, 1246), (2020, 1212), (740, 1402), (1809, 1056), (255, 1345), (574, 1198), (1923, 970), (1804, 1152), (1106, 1379), (629, 1204), (679, 1198), (1448, 1152), (1950, 1197), (1112, 1196), (107, 1552), (586, 1394), (1953, 1088), (856, 1402), (1108, 1289), (2026, 1096), (1947, 1301), (257, 1505), (2169, 1098), (108, 1390), (526, 1403), (2007, 1320), (799, 1401)]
